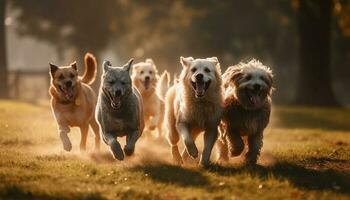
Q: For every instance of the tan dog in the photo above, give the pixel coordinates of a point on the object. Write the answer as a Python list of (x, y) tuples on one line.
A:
[(248, 88), (193, 105), (145, 78), (73, 101)]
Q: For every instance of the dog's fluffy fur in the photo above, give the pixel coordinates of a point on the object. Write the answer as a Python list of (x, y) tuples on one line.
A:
[(119, 109), (145, 77), (73, 101), (193, 105), (248, 88)]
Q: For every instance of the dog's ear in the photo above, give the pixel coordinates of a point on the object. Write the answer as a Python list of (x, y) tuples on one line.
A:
[(128, 65), (270, 80), (106, 64), (186, 62), (270, 77), (214, 60), (231, 75), (53, 69), (149, 60), (74, 65)]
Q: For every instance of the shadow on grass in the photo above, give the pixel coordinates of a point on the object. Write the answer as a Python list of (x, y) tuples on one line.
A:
[(171, 174), (298, 176), (18, 192), (319, 118)]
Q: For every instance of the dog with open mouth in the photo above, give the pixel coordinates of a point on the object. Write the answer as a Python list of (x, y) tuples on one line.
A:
[(119, 109), (247, 101), (193, 105), (73, 101), (145, 78)]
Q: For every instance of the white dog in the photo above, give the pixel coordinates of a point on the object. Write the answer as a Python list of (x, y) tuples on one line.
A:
[(145, 78), (193, 105)]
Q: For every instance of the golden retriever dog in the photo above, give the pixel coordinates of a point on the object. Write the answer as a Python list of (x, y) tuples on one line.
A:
[(73, 101), (248, 88), (145, 77), (194, 105)]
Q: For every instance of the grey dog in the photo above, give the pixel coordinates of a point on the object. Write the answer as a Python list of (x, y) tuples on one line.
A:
[(119, 109)]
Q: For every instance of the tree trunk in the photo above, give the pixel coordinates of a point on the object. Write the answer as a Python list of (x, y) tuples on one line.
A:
[(314, 84), (4, 93)]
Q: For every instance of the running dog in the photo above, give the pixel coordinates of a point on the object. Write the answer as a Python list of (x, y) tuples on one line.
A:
[(73, 101), (145, 77), (194, 104), (248, 88), (119, 109)]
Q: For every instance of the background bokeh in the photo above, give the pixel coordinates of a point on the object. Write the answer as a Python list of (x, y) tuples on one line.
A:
[(305, 42)]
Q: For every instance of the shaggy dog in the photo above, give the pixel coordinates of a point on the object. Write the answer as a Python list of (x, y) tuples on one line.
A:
[(248, 88), (193, 105), (145, 78), (73, 101), (119, 109)]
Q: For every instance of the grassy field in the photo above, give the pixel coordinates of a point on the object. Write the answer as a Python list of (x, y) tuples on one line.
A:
[(306, 155)]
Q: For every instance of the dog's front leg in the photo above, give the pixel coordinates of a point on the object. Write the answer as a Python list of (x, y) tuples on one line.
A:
[(130, 142), (235, 142), (63, 131), (114, 145), (210, 137), (255, 143), (185, 132)]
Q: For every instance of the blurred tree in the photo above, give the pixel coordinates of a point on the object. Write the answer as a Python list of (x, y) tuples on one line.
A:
[(3, 62), (314, 84), (82, 25)]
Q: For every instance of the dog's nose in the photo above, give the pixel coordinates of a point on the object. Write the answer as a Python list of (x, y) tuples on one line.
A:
[(118, 93), (147, 78), (199, 77), (68, 83), (257, 87)]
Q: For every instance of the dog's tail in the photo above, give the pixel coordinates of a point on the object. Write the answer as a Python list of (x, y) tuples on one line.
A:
[(90, 69), (163, 85)]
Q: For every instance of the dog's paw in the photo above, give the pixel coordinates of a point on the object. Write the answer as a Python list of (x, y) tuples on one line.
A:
[(128, 150), (177, 160), (67, 145), (204, 163), (250, 160), (117, 150)]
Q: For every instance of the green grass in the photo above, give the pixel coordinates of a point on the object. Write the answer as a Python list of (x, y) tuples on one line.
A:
[(306, 155)]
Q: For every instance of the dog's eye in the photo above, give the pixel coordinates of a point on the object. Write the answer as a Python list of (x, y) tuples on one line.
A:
[(193, 69), (150, 72), (111, 82), (123, 82), (141, 72), (207, 70), (61, 77), (71, 75)]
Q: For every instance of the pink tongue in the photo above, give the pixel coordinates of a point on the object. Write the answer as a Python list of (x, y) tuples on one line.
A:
[(69, 93), (147, 83), (200, 88)]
